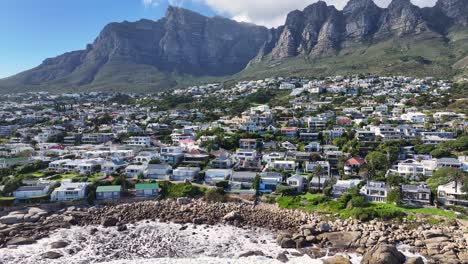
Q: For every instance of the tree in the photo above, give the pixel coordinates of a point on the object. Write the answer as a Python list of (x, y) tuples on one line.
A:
[(155, 161), (285, 190), (317, 172), (256, 183), (376, 161), (215, 195), (440, 152), (445, 175), (394, 196), (96, 168)]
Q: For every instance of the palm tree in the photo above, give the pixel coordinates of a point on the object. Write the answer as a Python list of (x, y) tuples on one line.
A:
[(317, 172), (458, 177)]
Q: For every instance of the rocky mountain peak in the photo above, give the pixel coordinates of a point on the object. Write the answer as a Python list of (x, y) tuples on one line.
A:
[(402, 17), (356, 6), (454, 9), (185, 42), (362, 18)]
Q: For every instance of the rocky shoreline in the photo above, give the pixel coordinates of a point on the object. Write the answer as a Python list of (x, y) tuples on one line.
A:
[(309, 233)]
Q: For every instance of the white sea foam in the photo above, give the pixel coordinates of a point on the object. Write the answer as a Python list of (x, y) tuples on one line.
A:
[(154, 242)]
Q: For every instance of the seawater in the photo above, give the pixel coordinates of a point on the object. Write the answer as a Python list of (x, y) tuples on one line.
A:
[(156, 242)]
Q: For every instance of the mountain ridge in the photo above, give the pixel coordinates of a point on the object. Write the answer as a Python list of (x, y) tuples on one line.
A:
[(185, 46)]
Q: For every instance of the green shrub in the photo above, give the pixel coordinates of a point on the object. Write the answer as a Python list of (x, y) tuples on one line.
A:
[(286, 190), (171, 190), (356, 201), (215, 195), (223, 184)]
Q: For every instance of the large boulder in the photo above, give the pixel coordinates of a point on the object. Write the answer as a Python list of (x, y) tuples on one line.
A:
[(183, 200), (234, 215), (12, 218), (282, 257), (251, 253), (341, 240), (58, 244), (415, 260), (287, 243), (324, 227), (337, 260), (383, 254), (16, 241), (109, 221), (51, 255)]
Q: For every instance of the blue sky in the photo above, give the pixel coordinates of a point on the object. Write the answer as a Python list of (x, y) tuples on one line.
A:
[(33, 30)]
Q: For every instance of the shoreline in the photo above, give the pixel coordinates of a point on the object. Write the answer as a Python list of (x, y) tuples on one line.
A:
[(295, 228)]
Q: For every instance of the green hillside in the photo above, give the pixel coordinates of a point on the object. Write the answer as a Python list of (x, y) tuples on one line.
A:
[(421, 55)]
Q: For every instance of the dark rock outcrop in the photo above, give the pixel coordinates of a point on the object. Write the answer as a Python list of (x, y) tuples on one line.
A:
[(51, 255), (20, 241), (109, 221), (58, 244), (383, 254), (337, 260)]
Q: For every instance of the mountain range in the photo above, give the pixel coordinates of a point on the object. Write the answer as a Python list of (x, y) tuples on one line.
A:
[(185, 47)]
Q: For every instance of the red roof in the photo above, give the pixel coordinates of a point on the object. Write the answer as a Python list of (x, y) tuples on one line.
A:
[(187, 141), (288, 128), (343, 121), (356, 161)]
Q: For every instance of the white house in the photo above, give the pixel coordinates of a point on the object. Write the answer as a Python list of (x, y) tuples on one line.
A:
[(285, 165), (69, 190), (215, 175), (271, 157), (132, 171), (158, 171), (326, 170), (452, 194), (414, 117), (342, 186), (25, 192), (185, 173), (110, 166), (297, 181), (375, 191), (248, 154), (413, 169), (139, 141)]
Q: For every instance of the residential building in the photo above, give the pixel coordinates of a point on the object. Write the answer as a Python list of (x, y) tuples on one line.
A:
[(25, 192), (146, 189), (297, 181), (69, 190), (416, 194), (343, 186), (213, 176), (108, 192), (375, 191), (284, 165), (133, 171), (160, 171), (248, 143), (452, 194), (185, 173)]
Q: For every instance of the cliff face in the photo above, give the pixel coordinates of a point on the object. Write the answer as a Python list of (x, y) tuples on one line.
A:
[(185, 42)]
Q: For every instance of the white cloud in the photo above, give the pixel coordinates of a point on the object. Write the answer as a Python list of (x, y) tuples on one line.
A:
[(148, 3), (270, 13), (273, 13)]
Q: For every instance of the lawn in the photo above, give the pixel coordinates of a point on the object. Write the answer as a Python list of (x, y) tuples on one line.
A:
[(37, 174), (64, 176), (95, 176), (7, 198), (319, 203)]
